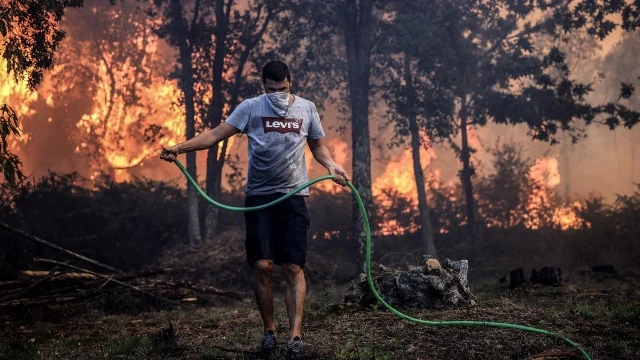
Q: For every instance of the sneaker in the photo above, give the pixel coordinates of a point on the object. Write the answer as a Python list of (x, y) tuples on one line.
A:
[(294, 348), (269, 343)]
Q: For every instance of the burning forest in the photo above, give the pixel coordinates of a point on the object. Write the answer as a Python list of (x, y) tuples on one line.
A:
[(486, 141)]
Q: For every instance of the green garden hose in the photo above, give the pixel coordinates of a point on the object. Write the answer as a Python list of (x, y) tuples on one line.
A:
[(368, 262)]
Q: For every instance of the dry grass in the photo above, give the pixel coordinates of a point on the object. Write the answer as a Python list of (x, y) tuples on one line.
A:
[(604, 317)]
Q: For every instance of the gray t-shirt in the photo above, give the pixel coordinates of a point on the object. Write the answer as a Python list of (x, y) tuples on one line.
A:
[(276, 144)]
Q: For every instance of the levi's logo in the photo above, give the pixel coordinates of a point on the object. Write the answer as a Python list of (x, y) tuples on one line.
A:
[(281, 125)]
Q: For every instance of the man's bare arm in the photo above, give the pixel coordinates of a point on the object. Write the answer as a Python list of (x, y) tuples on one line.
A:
[(322, 154), (201, 141)]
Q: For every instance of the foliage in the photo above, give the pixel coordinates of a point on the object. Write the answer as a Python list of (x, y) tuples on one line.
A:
[(503, 193), (131, 104), (490, 62), (125, 225), (614, 231), (30, 35), (9, 163), (412, 86), (222, 47)]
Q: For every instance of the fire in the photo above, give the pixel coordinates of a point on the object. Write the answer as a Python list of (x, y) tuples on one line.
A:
[(17, 95), (566, 218), (113, 124), (399, 176), (339, 151), (133, 108), (544, 177)]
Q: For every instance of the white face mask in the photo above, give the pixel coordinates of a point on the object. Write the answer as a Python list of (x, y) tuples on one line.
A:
[(279, 102)]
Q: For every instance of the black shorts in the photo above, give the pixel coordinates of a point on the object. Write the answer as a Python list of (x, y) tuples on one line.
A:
[(279, 232)]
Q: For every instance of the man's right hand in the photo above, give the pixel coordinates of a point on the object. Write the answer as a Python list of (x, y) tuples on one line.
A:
[(169, 153)]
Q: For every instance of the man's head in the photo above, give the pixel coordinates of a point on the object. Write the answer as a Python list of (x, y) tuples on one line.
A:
[(276, 77)]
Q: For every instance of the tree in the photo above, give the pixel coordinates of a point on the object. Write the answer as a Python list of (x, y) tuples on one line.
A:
[(497, 72), (503, 193), (238, 36), (30, 37), (420, 109), (420, 112), (114, 48), (184, 30), (620, 69), (357, 32), (244, 41), (227, 47)]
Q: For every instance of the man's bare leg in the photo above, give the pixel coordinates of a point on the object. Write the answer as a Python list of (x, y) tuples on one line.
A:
[(294, 297), (264, 295)]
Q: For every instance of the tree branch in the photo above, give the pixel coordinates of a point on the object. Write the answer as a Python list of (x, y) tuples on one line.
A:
[(56, 247), (109, 278)]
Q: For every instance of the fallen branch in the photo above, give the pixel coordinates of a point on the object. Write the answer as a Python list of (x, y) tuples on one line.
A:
[(56, 247), (45, 300), (19, 292), (68, 285), (90, 272), (36, 274), (110, 278)]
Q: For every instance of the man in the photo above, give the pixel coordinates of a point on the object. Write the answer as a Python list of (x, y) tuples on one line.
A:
[(278, 124)]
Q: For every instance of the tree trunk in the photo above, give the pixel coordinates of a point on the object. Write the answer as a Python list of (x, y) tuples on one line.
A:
[(186, 84), (634, 147), (566, 168), (466, 174), (215, 158), (423, 206), (357, 31)]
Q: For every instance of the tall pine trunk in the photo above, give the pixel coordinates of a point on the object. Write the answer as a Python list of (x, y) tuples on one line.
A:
[(357, 32), (426, 232), (215, 157), (566, 167), (634, 147), (186, 84), (467, 173)]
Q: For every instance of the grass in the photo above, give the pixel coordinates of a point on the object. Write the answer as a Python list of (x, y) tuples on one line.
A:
[(584, 311), (608, 324), (138, 346), (628, 313), (18, 350), (352, 350)]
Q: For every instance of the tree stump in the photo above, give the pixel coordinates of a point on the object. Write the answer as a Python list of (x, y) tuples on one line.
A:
[(417, 287), (604, 268), (547, 276), (516, 278)]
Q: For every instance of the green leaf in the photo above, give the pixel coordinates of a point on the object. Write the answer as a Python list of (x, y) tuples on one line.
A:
[(627, 90)]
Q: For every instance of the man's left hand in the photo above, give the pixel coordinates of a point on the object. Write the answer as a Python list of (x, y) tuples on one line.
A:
[(341, 176)]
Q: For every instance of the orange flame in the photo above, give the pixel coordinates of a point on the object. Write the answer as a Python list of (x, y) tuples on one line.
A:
[(339, 151), (399, 176), (17, 95), (565, 217), (543, 177)]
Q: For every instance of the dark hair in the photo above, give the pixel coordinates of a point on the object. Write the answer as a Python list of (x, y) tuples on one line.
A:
[(275, 70)]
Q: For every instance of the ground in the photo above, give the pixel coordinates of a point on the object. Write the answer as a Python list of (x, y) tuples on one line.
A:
[(602, 314)]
